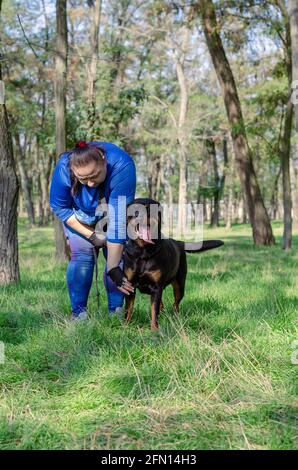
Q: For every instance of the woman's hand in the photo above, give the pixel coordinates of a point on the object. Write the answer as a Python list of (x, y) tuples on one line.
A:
[(96, 241), (118, 277)]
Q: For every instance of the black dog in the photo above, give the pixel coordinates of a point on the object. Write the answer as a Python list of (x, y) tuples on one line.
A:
[(152, 265)]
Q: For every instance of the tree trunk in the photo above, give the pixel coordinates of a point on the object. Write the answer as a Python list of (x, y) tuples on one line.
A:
[(261, 227), (216, 197), (236, 205), (154, 168), (91, 95), (43, 169), (60, 110), (166, 183), (293, 15), (244, 213), (286, 177), (229, 218), (44, 185), (9, 190), (25, 182), (226, 162), (40, 208), (285, 151), (295, 191), (230, 177), (181, 135), (274, 196), (43, 164), (21, 205)]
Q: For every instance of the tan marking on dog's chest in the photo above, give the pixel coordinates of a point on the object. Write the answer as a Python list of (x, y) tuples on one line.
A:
[(154, 276), (129, 273)]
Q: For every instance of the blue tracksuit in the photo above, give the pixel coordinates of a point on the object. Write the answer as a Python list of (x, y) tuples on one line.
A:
[(120, 181)]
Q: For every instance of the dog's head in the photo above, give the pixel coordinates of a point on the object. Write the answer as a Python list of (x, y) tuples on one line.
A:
[(144, 221)]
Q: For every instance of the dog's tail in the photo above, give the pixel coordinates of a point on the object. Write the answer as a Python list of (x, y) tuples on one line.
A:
[(202, 246)]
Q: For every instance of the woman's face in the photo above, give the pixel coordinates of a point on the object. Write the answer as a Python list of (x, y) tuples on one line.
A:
[(92, 174)]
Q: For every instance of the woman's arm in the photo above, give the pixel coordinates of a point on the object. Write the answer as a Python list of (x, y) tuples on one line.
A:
[(123, 185), (83, 229), (115, 251), (61, 200)]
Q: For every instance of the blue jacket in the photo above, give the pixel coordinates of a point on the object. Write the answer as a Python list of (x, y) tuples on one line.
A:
[(120, 181)]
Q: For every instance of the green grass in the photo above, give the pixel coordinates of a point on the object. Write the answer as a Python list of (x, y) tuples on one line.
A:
[(219, 377)]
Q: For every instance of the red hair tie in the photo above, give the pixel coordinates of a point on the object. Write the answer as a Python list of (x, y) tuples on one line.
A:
[(81, 144)]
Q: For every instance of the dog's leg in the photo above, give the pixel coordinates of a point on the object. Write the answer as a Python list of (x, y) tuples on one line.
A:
[(155, 308), (179, 283), (178, 295), (129, 303)]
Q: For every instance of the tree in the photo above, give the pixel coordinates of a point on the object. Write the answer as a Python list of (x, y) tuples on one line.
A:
[(261, 227), (285, 153), (9, 190), (60, 108), (219, 181), (293, 15), (181, 131), (25, 182), (137, 99), (95, 6)]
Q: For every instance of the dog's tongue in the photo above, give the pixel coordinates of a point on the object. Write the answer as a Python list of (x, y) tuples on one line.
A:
[(145, 234)]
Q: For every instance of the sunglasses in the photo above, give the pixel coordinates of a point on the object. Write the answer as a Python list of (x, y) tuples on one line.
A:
[(85, 179)]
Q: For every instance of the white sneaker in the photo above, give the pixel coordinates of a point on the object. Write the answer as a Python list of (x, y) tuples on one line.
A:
[(119, 312), (80, 317)]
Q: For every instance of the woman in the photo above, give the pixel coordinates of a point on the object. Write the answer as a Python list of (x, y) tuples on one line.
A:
[(88, 174)]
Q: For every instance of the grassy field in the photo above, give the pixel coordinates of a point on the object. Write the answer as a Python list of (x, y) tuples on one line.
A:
[(220, 377)]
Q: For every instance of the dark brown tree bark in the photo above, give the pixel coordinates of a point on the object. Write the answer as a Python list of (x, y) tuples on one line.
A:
[(9, 191), (261, 227), (60, 109)]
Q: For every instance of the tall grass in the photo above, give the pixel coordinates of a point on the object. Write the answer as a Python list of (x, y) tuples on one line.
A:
[(217, 377)]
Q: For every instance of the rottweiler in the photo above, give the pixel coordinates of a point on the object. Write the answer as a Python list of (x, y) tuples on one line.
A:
[(151, 262)]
